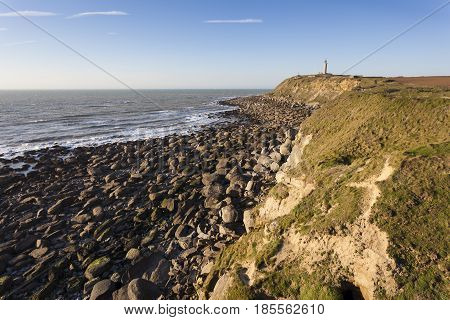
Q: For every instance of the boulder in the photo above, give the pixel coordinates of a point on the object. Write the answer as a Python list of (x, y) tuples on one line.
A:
[(155, 196), (58, 206), (132, 254), (274, 167), (276, 156), (286, 147), (229, 214), (258, 168), (141, 289), (145, 264), (265, 161), (209, 178), (149, 238), (102, 290), (38, 253), (169, 204), (97, 212), (211, 202), (97, 267), (222, 163), (5, 284), (214, 190), (249, 220), (121, 294), (81, 218), (250, 185), (161, 274), (234, 190)]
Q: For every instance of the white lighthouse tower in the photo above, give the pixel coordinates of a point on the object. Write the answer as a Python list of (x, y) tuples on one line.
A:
[(325, 67)]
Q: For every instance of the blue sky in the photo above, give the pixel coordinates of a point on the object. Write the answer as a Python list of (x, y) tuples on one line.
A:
[(248, 44)]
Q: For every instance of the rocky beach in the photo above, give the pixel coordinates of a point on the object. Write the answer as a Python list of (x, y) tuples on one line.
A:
[(142, 219)]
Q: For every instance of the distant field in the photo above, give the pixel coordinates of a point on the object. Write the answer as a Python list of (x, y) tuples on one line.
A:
[(441, 81)]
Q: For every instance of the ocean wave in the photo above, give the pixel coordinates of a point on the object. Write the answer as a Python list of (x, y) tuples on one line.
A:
[(87, 118), (183, 125)]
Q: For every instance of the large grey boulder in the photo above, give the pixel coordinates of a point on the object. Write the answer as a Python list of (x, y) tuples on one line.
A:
[(229, 214), (141, 289), (102, 290)]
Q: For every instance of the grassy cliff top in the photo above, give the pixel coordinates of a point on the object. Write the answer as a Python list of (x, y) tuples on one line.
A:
[(377, 219), (324, 88), (354, 135), (318, 88)]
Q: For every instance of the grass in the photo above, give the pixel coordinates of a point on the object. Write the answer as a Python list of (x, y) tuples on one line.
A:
[(307, 89), (291, 284), (268, 250), (352, 136), (287, 283), (414, 211), (280, 191), (249, 247), (362, 126), (329, 206), (430, 150), (410, 126), (239, 290)]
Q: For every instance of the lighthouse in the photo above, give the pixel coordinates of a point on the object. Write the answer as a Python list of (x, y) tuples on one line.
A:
[(325, 67)]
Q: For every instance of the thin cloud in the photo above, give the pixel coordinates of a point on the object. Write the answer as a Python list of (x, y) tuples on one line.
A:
[(20, 43), (3, 29), (98, 13), (235, 21), (28, 13), (112, 33)]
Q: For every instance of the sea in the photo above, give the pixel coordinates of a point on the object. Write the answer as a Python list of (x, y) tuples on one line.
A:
[(33, 120)]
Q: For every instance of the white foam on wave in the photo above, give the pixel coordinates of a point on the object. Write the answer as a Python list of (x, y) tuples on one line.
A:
[(19, 168), (188, 124)]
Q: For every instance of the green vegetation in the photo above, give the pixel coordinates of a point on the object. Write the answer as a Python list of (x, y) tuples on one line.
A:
[(361, 129), (317, 88), (287, 283), (239, 290), (244, 249), (431, 150), (262, 257), (292, 284), (333, 204), (250, 247), (279, 191), (414, 211), (361, 124)]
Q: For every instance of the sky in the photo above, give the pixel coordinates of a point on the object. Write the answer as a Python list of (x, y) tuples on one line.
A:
[(174, 44)]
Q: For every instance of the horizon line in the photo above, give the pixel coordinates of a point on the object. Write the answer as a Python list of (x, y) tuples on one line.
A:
[(125, 89)]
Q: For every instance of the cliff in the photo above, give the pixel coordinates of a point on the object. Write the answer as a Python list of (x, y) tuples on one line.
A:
[(317, 88), (360, 209)]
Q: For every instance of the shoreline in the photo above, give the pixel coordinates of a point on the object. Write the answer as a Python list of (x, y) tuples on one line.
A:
[(32, 156), (87, 222)]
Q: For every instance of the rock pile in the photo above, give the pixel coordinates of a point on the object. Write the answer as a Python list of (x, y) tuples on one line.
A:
[(273, 111), (137, 220)]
